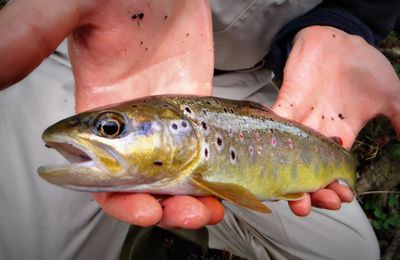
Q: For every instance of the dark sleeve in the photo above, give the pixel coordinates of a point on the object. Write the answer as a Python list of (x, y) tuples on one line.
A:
[(369, 19)]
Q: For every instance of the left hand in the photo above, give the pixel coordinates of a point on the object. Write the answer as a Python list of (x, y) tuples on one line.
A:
[(335, 82)]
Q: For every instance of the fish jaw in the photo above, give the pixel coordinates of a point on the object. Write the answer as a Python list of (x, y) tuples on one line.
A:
[(85, 168)]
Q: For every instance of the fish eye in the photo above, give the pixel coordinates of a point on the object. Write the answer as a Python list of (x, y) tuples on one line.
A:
[(109, 125)]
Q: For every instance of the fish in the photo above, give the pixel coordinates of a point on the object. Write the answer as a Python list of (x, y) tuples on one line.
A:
[(238, 151)]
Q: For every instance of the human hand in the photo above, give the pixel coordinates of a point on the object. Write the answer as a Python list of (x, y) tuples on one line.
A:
[(117, 56), (335, 82)]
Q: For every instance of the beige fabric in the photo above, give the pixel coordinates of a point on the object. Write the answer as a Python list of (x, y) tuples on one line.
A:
[(244, 29)]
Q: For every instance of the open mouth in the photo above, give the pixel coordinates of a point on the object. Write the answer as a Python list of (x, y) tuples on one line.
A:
[(71, 152), (81, 160)]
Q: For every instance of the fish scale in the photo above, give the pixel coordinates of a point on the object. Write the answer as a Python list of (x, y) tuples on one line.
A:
[(236, 150)]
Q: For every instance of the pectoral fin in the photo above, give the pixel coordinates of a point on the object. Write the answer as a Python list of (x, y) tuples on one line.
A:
[(293, 196), (233, 193)]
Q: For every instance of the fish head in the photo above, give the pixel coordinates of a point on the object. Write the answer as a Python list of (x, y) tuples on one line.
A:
[(121, 147)]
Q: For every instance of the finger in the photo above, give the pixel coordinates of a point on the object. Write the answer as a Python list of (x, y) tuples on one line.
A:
[(301, 207), (216, 209), (137, 209), (184, 212), (343, 192), (326, 198), (44, 29)]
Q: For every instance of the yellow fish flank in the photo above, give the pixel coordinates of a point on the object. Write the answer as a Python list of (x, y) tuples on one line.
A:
[(239, 151)]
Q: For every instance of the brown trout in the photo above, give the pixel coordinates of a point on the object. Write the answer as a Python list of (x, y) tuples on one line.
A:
[(239, 151)]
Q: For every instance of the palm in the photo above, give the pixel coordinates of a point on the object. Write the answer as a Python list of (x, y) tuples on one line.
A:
[(129, 49), (357, 91)]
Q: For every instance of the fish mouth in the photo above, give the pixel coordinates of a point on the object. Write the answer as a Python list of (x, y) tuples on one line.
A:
[(74, 154), (83, 169)]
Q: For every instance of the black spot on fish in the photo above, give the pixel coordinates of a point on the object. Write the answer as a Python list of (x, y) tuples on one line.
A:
[(174, 126), (165, 17), (204, 112), (187, 34), (291, 105), (323, 117), (158, 163), (134, 16), (208, 103), (206, 152), (184, 124), (340, 115), (134, 106), (147, 49), (233, 155), (204, 125), (141, 15), (141, 42), (188, 110), (48, 146), (334, 35), (231, 111), (225, 110), (219, 141), (312, 108), (332, 119)]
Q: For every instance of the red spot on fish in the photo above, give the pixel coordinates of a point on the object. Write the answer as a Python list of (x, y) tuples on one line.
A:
[(273, 142), (241, 136), (251, 150), (290, 143), (258, 137)]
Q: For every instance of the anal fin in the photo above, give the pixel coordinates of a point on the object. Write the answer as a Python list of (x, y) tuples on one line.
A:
[(233, 193)]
